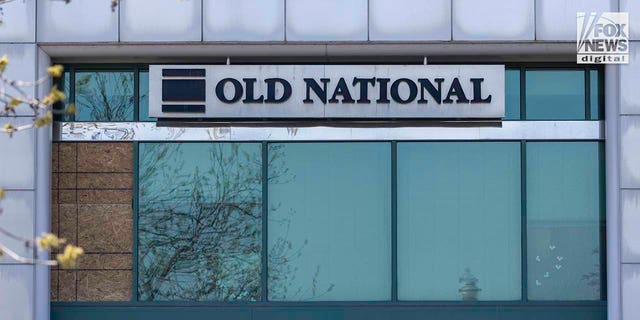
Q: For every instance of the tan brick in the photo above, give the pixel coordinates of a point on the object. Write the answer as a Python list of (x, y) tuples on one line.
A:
[(67, 196), (54, 157), (55, 222), (105, 227), (105, 196), (55, 180), (54, 285), (67, 157), (105, 261), (67, 181), (105, 181), (68, 222), (67, 285), (54, 197), (55, 216), (109, 285), (105, 157)]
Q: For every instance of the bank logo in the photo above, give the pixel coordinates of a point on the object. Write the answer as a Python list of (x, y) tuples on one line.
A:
[(603, 38)]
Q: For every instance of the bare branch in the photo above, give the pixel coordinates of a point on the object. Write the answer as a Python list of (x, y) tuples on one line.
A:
[(5, 250)]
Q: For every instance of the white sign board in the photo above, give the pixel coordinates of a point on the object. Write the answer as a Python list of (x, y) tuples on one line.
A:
[(326, 91)]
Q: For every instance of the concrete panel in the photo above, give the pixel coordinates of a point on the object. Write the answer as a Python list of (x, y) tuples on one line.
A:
[(630, 82), (44, 61), (43, 212), (556, 20), (22, 66), (630, 205), (243, 20), (18, 218), (77, 21), (164, 20), (16, 292), (629, 151), (327, 20), (630, 291), (409, 20), (633, 7), (482, 20), (17, 157), (18, 21)]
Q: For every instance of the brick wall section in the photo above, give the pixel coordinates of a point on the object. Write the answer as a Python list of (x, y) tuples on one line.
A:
[(92, 192)]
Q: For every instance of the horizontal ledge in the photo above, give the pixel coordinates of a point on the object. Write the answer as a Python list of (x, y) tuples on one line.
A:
[(192, 51), (325, 304), (149, 131)]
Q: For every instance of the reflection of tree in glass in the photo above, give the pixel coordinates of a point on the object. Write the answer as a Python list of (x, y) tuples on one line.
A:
[(593, 278), (283, 254), (104, 96), (200, 226), (200, 229), (282, 269)]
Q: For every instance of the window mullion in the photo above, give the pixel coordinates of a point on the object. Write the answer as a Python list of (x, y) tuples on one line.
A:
[(265, 212), (523, 219), (394, 221)]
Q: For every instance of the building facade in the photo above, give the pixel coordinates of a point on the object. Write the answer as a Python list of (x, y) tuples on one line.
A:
[(532, 215)]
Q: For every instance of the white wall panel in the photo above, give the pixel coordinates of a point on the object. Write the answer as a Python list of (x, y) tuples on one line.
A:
[(44, 61), (160, 20), (22, 66), (630, 291), (409, 20), (16, 292), (18, 216), (17, 156), (630, 152), (630, 204), (243, 20), (633, 7), (77, 21), (493, 20), (630, 81), (556, 19), (326, 20), (18, 21)]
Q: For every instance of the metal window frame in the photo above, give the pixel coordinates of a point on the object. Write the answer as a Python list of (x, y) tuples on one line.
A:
[(67, 131), (557, 309), (264, 145), (75, 68)]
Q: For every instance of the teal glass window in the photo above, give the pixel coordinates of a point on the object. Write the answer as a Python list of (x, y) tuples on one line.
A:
[(104, 96), (199, 222), (66, 86), (594, 92), (459, 218), (555, 95), (143, 96), (329, 222), (563, 220), (512, 94)]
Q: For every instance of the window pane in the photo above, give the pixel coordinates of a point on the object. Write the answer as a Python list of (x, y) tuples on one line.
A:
[(512, 95), (143, 113), (329, 221), (459, 217), (555, 95), (199, 221), (595, 94), (66, 84), (104, 96), (563, 210)]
